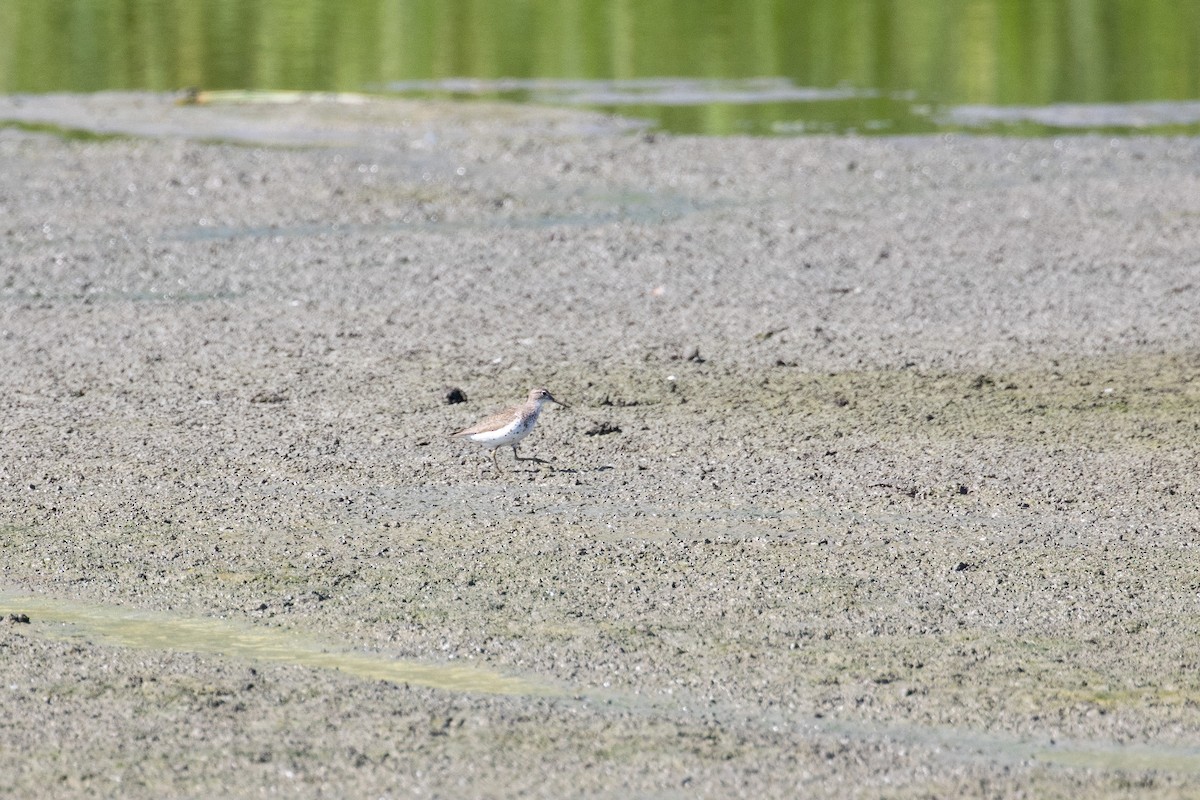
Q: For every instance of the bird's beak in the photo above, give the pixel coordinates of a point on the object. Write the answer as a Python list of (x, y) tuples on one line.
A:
[(559, 402)]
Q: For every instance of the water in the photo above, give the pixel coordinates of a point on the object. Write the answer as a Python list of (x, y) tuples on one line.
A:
[(734, 66)]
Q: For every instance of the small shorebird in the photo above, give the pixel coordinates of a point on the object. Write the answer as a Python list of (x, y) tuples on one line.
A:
[(510, 426)]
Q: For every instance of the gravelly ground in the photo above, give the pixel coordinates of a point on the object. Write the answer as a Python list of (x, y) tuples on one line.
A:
[(879, 477)]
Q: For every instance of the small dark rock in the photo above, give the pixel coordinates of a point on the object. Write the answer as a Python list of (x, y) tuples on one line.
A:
[(608, 401), (692, 355), (268, 397), (21, 618), (602, 429), (455, 395), (962, 489), (763, 336), (962, 566)]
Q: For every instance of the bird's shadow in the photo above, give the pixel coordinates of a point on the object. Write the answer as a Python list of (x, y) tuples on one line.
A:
[(583, 470), (549, 468)]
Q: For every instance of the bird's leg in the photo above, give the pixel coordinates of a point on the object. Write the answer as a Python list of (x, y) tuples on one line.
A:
[(495, 460), (527, 458)]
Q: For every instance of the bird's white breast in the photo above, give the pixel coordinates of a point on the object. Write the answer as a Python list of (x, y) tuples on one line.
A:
[(514, 431)]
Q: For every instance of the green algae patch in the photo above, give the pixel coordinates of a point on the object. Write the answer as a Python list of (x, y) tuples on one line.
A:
[(1140, 404), (64, 132), (155, 630)]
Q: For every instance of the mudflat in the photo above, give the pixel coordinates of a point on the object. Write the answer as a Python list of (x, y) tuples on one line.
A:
[(879, 476)]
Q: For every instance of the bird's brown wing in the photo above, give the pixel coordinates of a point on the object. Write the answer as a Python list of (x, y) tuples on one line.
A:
[(497, 420)]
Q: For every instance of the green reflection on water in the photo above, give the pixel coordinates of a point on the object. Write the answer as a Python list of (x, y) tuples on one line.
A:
[(909, 53), (127, 627)]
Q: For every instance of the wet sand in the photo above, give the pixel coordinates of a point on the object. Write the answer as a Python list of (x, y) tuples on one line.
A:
[(878, 480)]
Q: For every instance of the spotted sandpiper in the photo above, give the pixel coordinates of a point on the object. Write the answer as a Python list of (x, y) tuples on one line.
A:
[(510, 426)]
